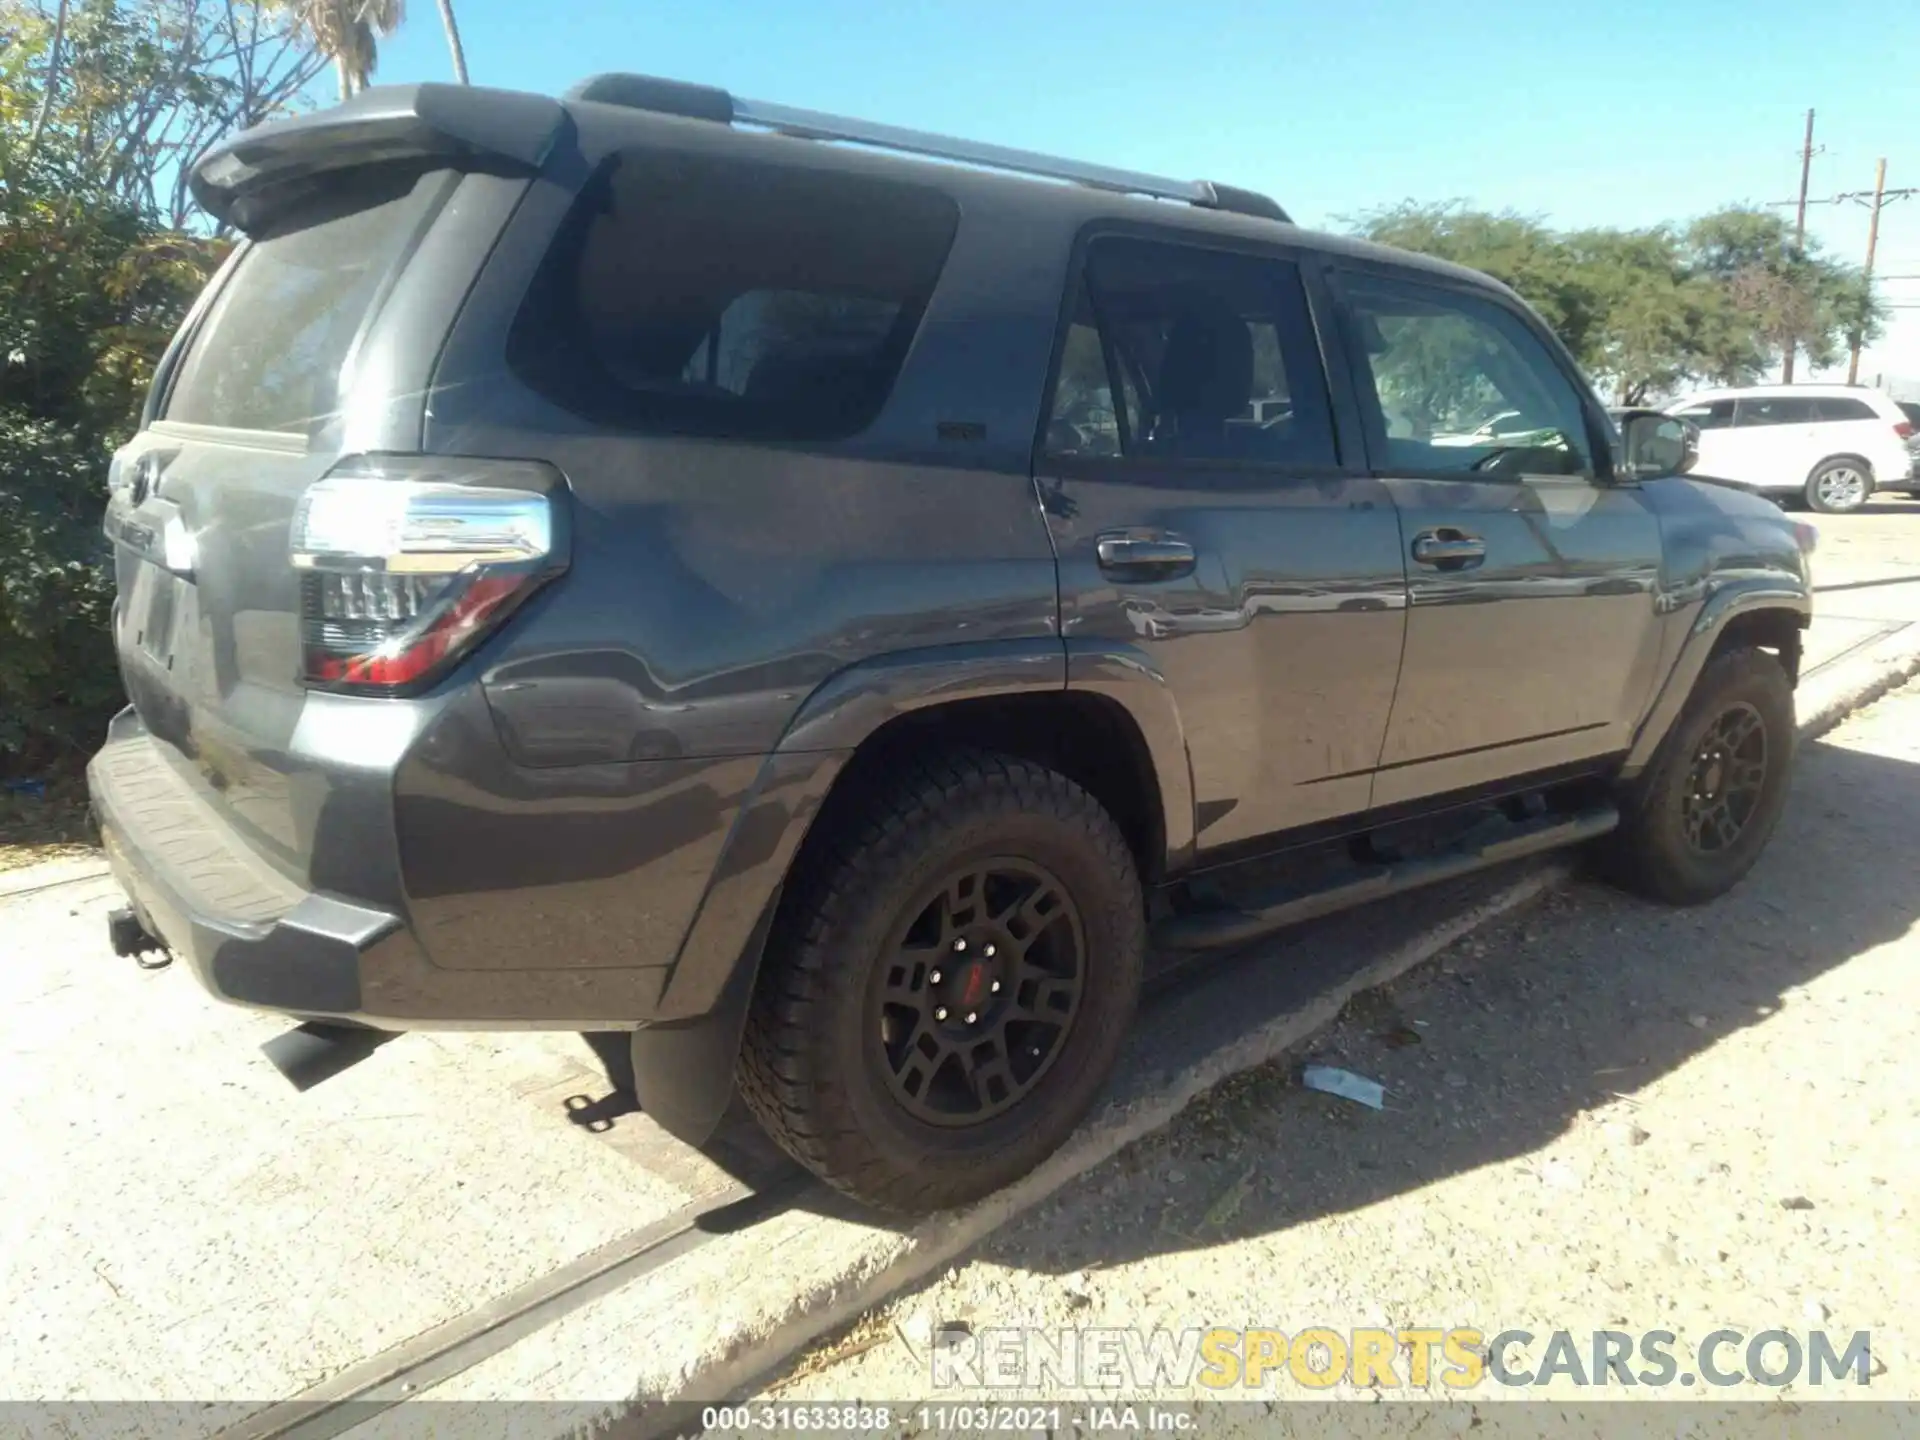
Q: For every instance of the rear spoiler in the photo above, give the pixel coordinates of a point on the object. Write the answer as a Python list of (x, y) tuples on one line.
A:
[(244, 180)]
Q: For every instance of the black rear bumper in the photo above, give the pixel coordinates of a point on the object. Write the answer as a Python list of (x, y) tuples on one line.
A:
[(250, 934), (256, 937)]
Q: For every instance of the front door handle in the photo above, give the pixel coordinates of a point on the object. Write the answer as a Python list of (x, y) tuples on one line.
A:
[(1158, 556), (1449, 549)]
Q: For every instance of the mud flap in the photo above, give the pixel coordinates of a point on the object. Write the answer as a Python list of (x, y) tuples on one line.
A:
[(683, 1072)]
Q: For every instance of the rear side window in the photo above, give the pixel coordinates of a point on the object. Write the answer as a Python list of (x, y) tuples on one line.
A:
[(1777, 410), (270, 352), (1212, 356), (732, 298), (1842, 407)]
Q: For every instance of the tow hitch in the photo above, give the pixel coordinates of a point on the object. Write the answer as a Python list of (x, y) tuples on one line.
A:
[(130, 937)]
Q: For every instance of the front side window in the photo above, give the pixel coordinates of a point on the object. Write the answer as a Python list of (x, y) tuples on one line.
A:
[(1709, 415), (1175, 353), (1462, 384), (732, 298)]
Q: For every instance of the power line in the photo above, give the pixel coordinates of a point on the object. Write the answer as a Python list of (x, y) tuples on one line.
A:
[(1861, 197)]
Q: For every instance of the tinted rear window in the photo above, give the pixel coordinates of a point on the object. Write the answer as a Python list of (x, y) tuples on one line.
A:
[(1843, 408), (269, 354), (1777, 410), (732, 298)]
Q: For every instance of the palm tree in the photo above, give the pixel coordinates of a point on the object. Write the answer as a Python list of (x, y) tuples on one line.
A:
[(348, 31), (453, 41)]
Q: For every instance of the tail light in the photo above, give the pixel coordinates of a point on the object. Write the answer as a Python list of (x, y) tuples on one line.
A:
[(1903, 428), (405, 563)]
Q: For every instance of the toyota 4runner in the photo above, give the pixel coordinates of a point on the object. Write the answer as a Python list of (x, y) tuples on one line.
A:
[(658, 561)]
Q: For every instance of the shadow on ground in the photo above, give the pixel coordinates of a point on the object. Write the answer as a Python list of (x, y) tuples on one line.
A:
[(1595, 994), (1600, 995)]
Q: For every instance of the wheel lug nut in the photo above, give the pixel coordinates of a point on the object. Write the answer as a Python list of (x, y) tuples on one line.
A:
[(995, 987), (988, 952), (960, 945), (940, 1013), (934, 978), (971, 1017)]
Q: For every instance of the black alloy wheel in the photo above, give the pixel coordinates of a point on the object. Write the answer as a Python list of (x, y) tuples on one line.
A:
[(983, 987)]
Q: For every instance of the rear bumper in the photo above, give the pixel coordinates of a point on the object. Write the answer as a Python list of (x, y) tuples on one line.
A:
[(1895, 471), (255, 937), (249, 934)]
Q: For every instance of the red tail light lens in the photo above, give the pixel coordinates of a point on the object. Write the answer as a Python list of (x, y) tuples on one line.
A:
[(1903, 428), (406, 562)]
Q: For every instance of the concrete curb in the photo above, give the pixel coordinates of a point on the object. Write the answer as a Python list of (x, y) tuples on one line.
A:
[(1830, 694), (942, 1239)]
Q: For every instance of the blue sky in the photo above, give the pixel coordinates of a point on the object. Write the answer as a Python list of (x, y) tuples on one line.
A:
[(1628, 113)]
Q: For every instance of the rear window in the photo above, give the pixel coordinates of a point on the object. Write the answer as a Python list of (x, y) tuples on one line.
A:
[(269, 354), (732, 298), (1833, 407)]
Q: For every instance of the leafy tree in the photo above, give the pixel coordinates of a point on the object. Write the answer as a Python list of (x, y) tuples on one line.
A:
[(1778, 295), (94, 280), (1649, 311), (127, 94), (1516, 249)]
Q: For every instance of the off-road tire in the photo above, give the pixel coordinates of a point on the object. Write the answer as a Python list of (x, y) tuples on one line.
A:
[(1816, 501), (1650, 853), (812, 1067), (811, 1064)]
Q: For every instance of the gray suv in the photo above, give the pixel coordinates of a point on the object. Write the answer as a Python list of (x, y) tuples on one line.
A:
[(631, 562)]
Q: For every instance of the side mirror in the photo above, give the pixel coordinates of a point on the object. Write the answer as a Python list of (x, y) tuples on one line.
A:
[(1655, 444)]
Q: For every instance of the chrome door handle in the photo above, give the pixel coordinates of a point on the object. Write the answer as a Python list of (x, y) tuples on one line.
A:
[(1159, 555), (1448, 549)]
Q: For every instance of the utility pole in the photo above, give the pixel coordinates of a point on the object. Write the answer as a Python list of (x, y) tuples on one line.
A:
[(1799, 234), (1874, 200), (1873, 240)]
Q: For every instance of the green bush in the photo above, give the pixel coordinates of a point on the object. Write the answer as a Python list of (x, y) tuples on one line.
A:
[(58, 679)]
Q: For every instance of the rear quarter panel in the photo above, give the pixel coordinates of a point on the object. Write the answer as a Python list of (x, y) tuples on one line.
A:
[(715, 586)]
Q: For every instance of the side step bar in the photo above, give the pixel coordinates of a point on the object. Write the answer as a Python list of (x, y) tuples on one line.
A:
[(1261, 914)]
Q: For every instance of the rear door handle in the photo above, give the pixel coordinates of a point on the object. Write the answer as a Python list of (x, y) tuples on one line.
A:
[(1158, 556), (1449, 549)]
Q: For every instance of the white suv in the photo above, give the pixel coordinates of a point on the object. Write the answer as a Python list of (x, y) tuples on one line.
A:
[(1831, 445)]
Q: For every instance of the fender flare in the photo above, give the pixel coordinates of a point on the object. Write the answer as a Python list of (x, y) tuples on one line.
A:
[(683, 1059), (1127, 675), (1743, 597)]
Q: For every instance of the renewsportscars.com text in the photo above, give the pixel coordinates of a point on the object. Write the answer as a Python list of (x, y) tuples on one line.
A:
[(1459, 1358)]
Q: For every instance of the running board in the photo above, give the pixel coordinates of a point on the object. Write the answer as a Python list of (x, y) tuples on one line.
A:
[(1259, 915)]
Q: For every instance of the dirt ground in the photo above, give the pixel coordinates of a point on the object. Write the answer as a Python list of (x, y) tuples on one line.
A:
[(1600, 1115)]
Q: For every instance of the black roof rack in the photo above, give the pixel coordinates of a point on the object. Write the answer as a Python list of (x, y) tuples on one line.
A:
[(704, 102)]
